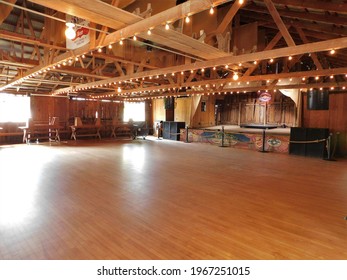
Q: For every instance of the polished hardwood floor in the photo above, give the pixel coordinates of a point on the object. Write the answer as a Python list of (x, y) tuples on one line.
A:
[(153, 199)]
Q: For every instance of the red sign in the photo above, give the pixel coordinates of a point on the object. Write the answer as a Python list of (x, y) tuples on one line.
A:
[(265, 97), (81, 32)]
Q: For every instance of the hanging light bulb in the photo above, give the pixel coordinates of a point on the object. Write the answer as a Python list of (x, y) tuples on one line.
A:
[(70, 33), (211, 11), (149, 32), (235, 76), (134, 38), (187, 19), (121, 42), (167, 26), (241, 2)]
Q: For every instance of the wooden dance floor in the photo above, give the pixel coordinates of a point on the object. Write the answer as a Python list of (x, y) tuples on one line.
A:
[(161, 199)]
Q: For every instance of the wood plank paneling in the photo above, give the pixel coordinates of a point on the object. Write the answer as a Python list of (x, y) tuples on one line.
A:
[(335, 118)]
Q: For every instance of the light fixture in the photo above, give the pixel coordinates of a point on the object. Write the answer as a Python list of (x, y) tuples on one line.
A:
[(271, 60), (167, 26), (331, 77), (187, 19), (70, 33), (241, 2), (211, 11), (134, 38), (226, 66), (121, 42), (332, 51), (290, 57), (235, 76), (149, 32), (99, 50), (255, 62), (110, 46)]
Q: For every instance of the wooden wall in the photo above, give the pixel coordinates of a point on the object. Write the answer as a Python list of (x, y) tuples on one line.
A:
[(246, 108), (335, 118), (183, 109), (158, 110), (233, 109), (45, 107), (207, 118)]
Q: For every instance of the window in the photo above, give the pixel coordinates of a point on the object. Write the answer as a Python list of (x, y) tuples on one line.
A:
[(134, 111), (203, 106), (14, 108)]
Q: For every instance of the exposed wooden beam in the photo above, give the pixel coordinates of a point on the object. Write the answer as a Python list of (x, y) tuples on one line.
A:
[(228, 18), (232, 87), (170, 38), (183, 43), (277, 18), (322, 28), (270, 46), (313, 55), (5, 10), (190, 7), (305, 15), (113, 58), (93, 10), (258, 56), (16, 37), (339, 7), (81, 72)]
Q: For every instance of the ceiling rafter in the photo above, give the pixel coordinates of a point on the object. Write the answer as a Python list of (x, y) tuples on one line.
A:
[(258, 56)]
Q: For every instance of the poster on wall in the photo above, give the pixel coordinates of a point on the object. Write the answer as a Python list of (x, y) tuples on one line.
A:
[(82, 33)]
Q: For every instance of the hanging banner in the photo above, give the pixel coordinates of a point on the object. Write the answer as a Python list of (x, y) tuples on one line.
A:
[(82, 33)]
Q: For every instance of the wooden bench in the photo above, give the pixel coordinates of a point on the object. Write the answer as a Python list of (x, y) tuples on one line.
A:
[(85, 130), (42, 130)]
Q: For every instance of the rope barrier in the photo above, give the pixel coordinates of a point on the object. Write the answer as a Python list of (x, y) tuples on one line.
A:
[(308, 142)]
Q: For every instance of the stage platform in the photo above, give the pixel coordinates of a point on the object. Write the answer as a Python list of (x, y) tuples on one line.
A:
[(275, 140)]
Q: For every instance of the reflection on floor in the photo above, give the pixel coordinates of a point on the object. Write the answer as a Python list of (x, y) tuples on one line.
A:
[(161, 199)]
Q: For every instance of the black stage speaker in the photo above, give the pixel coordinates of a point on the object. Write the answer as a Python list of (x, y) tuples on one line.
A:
[(317, 100), (308, 134), (171, 130)]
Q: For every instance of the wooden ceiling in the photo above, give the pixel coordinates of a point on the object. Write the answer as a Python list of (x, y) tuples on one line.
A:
[(263, 42)]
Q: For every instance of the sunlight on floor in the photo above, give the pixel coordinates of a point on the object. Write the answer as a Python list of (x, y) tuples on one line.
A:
[(20, 173), (135, 157)]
